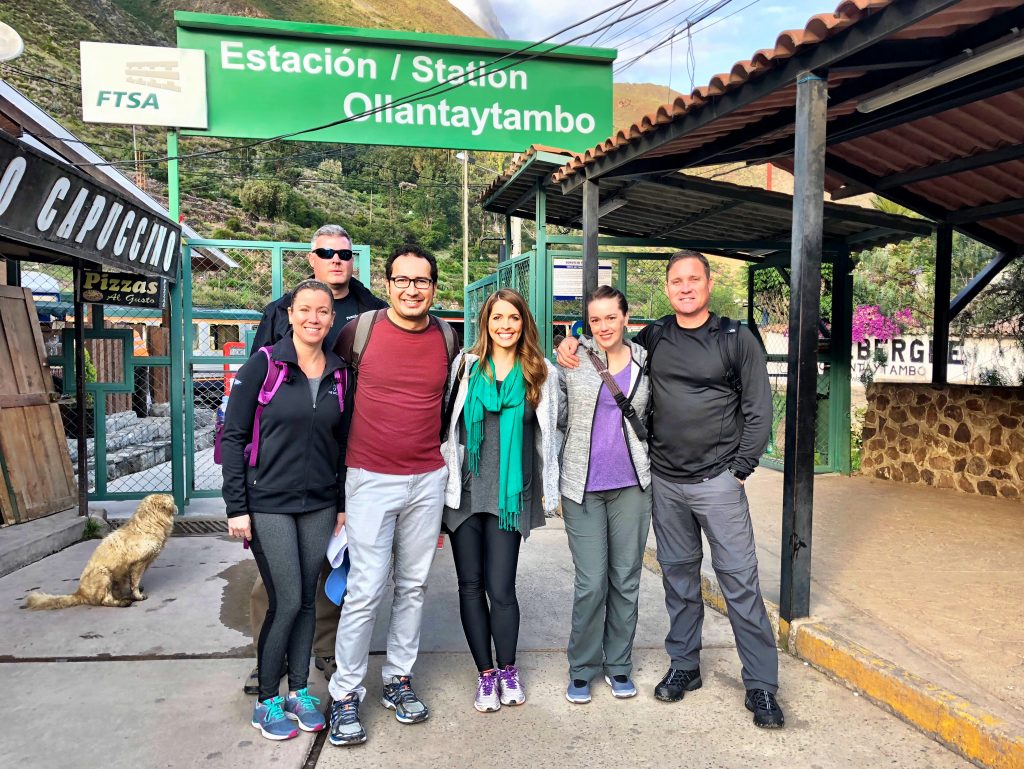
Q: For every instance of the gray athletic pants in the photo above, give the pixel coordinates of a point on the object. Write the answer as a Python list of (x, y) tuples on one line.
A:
[(327, 614), (719, 507), (289, 550), (607, 534)]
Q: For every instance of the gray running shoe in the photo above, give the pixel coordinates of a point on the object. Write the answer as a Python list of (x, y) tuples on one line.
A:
[(399, 696), (345, 726)]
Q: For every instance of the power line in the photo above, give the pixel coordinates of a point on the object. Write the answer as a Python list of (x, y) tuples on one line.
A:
[(675, 33), (415, 96), (34, 76), (645, 34)]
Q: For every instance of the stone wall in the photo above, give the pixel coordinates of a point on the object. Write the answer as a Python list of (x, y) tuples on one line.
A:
[(950, 437)]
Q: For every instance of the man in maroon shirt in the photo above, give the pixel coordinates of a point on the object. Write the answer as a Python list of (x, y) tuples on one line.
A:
[(394, 490)]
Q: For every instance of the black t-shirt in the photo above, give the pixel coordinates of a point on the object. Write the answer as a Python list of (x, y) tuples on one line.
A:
[(695, 429), (344, 311)]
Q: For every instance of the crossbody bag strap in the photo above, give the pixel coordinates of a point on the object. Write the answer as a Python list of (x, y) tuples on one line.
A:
[(624, 404)]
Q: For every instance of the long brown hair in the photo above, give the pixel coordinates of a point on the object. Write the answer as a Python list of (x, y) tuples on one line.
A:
[(528, 353)]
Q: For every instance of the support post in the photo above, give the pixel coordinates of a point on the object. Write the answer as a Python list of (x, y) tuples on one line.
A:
[(177, 338), (80, 394), (802, 361), (465, 219), (842, 339), (943, 279), (277, 273), (509, 242), (542, 289), (591, 221)]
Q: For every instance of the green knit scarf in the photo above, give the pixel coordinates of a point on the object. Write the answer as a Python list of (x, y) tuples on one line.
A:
[(482, 396)]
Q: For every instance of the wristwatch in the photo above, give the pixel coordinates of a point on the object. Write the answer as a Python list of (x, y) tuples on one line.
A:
[(738, 474)]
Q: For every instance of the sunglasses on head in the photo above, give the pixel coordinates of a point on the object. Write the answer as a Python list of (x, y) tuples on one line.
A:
[(345, 254)]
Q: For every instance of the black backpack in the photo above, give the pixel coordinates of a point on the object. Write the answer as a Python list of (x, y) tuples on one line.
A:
[(728, 348)]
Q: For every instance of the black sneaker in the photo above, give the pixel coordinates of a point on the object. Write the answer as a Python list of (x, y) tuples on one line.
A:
[(399, 697), (327, 665), (345, 726), (766, 710), (252, 683), (677, 683)]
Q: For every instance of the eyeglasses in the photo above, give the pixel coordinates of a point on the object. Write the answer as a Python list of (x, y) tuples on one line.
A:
[(403, 282), (345, 254)]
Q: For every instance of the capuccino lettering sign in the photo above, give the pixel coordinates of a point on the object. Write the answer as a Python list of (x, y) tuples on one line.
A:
[(269, 78), (54, 207)]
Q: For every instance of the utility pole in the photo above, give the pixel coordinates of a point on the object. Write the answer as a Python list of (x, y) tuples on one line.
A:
[(465, 218), (140, 173)]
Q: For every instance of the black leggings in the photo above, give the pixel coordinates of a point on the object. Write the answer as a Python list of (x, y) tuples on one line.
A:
[(289, 551), (485, 561)]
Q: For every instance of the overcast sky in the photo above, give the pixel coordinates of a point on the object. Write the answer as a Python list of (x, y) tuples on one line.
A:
[(729, 34)]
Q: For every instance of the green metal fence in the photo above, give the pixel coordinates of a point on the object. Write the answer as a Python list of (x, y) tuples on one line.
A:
[(640, 274)]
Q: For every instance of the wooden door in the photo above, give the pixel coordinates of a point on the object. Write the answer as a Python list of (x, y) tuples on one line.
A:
[(36, 477)]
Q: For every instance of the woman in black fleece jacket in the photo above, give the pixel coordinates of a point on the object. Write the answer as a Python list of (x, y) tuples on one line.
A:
[(291, 498)]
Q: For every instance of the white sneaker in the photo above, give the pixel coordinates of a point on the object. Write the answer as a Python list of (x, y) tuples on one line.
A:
[(487, 700), (510, 690)]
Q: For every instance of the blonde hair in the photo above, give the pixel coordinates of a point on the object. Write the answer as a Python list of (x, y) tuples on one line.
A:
[(528, 352)]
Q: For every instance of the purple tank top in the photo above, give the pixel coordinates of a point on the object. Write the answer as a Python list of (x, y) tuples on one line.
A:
[(610, 464)]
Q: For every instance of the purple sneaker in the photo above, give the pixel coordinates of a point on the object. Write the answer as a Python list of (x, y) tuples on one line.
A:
[(510, 689), (487, 692)]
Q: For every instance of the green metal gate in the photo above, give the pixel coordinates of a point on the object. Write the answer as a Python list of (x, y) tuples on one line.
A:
[(768, 318)]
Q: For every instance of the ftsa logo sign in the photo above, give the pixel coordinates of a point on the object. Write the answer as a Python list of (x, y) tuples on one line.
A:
[(143, 85), (127, 99)]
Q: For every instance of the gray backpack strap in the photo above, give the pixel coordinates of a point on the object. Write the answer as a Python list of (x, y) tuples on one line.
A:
[(451, 341), (364, 327)]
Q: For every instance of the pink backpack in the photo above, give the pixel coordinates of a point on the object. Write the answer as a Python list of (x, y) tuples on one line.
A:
[(276, 372)]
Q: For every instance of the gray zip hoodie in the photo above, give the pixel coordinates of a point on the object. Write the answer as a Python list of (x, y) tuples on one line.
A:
[(580, 387)]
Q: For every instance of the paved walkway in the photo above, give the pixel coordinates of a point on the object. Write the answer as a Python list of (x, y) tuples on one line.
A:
[(158, 684), (930, 580)]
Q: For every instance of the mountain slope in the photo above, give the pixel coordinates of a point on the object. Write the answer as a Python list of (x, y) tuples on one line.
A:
[(634, 100)]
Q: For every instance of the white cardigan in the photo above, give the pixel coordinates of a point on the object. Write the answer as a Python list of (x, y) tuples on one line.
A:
[(548, 439)]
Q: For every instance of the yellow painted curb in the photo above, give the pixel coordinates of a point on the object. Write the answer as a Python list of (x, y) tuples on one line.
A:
[(952, 720), (958, 724)]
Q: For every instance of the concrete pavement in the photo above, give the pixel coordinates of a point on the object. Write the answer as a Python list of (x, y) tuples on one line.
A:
[(916, 600), (158, 684)]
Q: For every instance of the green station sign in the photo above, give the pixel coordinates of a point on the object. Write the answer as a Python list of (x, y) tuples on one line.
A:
[(269, 78)]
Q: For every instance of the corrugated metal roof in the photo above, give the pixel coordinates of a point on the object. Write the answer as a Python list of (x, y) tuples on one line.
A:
[(987, 114), (723, 218)]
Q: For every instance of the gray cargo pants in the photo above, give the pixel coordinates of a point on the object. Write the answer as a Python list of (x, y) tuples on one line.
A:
[(719, 507)]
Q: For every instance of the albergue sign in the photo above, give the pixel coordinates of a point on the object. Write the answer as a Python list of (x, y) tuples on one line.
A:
[(268, 78), (55, 207)]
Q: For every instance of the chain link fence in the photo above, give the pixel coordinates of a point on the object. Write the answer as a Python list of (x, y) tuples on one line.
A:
[(225, 312)]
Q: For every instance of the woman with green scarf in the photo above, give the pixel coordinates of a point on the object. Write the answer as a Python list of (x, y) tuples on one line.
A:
[(502, 457)]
